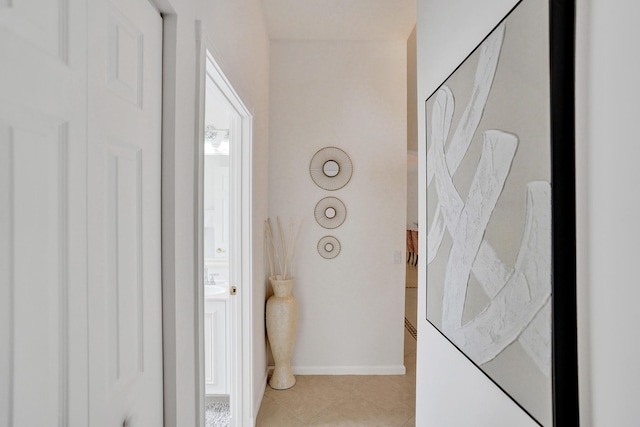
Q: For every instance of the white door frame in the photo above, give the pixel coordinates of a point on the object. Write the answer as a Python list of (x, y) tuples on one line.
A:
[(241, 342)]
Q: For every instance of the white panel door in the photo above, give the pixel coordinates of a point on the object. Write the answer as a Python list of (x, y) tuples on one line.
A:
[(125, 335), (43, 286)]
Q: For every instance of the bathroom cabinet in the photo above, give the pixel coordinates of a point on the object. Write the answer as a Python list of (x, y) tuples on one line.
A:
[(215, 346)]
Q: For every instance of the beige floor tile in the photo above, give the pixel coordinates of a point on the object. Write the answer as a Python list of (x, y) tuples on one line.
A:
[(272, 414), (309, 396), (355, 412), (410, 345), (411, 305), (390, 391), (411, 276), (351, 384), (410, 423)]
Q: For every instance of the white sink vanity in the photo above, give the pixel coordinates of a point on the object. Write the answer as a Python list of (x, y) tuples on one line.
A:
[(216, 339)]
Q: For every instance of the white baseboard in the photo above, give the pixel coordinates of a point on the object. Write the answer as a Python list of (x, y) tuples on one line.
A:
[(216, 398), (348, 370)]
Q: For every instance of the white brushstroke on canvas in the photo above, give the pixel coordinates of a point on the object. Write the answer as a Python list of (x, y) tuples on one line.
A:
[(519, 297), (527, 290), (491, 273), (535, 339), (459, 144), (443, 110), (498, 151)]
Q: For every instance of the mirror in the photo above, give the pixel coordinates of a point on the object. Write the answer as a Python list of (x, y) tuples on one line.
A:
[(331, 168), (330, 213), (328, 247)]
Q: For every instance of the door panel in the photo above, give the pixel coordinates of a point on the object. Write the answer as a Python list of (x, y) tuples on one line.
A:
[(43, 335), (37, 155), (43, 24), (124, 211), (124, 282)]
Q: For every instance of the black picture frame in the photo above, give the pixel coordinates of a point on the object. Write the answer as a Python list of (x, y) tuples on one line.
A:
[(561, 138)]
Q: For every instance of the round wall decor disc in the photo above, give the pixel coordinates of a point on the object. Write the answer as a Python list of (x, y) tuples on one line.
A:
[(329, 247), (331, 168), (330, 212)]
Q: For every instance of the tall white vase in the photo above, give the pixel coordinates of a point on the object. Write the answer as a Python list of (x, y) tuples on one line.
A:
[(282, 323)]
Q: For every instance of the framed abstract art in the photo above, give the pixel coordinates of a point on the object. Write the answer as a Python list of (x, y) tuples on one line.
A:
[(501, 210)]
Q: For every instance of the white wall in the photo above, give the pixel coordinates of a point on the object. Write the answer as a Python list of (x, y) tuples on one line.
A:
[(608, 230), (412, 191), (349, 94), (412, 133), (240, 45), (609, 114), (412, 93)]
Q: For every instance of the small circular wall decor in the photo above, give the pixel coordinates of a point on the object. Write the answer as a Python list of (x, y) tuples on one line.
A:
[(328, 247), (330, 212), (331, 168)]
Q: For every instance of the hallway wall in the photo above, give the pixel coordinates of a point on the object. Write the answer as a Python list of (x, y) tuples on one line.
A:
[(412, 133), (349, 94), (607, 203), (609, 231), (239, 42)]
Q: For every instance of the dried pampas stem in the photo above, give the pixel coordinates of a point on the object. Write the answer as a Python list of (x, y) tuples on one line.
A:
[(267, 243), (280, 257)]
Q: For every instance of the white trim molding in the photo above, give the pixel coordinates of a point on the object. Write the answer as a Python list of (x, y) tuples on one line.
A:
[(349, 370), (241, 334)]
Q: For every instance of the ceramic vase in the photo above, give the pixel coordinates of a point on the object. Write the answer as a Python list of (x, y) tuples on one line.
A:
[(282, 322)]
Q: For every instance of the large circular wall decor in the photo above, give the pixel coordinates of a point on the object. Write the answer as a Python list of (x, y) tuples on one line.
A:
[(328, 247), (330, 212), (331, 168)]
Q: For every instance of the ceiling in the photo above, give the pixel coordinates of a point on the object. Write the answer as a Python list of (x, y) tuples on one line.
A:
[(340, 19)]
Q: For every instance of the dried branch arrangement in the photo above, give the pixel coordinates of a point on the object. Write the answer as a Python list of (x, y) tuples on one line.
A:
[(280, 251)]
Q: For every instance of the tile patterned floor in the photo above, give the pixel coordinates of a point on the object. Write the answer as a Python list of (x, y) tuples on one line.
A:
[(348, 400)]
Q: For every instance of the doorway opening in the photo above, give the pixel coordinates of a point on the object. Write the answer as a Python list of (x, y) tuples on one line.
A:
[(224, 249)]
